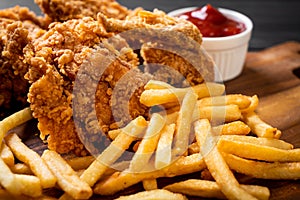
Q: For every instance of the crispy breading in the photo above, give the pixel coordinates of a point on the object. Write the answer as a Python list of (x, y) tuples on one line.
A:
[(23, 14), (171, 42), (18, 26), (55, 59), (63, 10)]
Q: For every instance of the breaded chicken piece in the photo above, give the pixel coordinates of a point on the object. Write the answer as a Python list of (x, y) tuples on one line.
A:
[(55, 61), (23, 14), (63, 10), (166, 41), (18, 26)]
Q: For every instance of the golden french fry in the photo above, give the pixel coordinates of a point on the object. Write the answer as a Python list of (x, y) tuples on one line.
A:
[(216, 163), (148, 144), (32, 159), (7, 155), (171, 118), (241, 101), (93, 173), (263, 170), (6, 195), (67, 178), (158, 194), (184, 122), (29, 185), (120, 166), (259, 152), (154, 97), (210, 189), (112, 134), (271, 142), (233, 128), (251, 108), (21, 168), (154, 84), (163, 155), (121, 180), (79, 163), (150, 184), (226, 113), (193, 148), (259, 127), (172, 105), (8, 179), (13, 121)]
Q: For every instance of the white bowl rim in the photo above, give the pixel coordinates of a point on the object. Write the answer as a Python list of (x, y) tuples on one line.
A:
[(239, 16)]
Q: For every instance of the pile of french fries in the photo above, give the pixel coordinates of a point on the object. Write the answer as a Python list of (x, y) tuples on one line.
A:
[(198, 129)]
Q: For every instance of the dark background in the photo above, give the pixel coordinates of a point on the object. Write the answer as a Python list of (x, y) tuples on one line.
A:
[(275, 21)]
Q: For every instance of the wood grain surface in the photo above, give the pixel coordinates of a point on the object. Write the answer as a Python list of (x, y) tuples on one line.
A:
[(273, 74)]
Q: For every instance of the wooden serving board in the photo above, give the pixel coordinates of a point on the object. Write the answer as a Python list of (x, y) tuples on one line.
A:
[(274, 75)]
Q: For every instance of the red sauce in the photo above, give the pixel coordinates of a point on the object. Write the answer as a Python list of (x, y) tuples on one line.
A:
[(212, 23)]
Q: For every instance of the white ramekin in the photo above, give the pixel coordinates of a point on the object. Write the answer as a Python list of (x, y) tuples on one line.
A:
[(228, 52)]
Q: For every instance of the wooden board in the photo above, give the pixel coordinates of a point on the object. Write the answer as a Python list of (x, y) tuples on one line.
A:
[(272, 74)]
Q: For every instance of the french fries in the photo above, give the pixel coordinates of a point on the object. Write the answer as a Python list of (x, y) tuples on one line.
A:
[(67, 178), (184, 122), (121, 180), (29, 185), (253, 105), (270, 142), (199, 131), (216, 164), (152, 97), (158, 194), (232, 128), (227, 113), (8, 179), (259, 152), (241, 101), (7, 155), (154, 84), (163, 155), (21, 168), (150, 184), (148, 144), (210, 189), (264, 170), (93, 173), (32, 159), (259, 127), (79, 163), (13, 121)]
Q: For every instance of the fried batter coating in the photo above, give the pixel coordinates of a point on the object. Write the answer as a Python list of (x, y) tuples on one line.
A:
[(55, 59), (181, 51), (23, 14), (63, 10), (18, 26)]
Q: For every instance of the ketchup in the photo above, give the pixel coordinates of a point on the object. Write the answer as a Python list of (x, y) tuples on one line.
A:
[(212, 23)]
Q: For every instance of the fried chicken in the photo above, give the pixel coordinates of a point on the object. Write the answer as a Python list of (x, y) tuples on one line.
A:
[(55, 60), (85, 75), (166, 41), (63, 10), (18, 26)]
